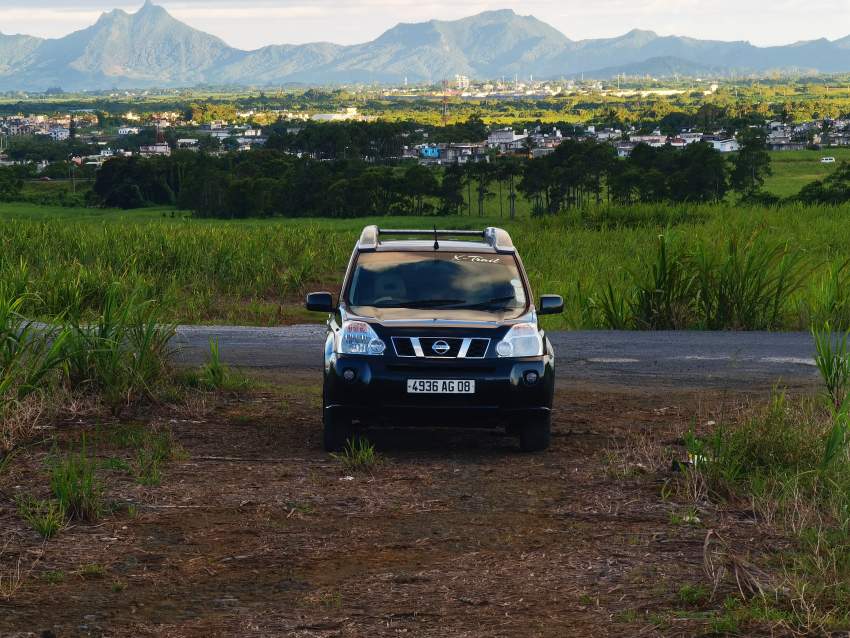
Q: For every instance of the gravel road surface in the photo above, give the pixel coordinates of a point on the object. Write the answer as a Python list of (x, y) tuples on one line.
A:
[(735, 360)]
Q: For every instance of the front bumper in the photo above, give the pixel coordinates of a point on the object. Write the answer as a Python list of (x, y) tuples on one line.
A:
[(377, 395)]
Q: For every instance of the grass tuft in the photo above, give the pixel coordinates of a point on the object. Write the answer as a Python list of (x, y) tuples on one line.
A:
[(73, 481), (45, 516), (833, 361), (216, 376), (153, 452), (358, 455)]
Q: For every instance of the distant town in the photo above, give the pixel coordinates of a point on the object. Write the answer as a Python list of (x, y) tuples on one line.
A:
[(162, 133)]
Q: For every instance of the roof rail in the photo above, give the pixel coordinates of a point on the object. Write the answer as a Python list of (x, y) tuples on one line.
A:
[(497, 238)]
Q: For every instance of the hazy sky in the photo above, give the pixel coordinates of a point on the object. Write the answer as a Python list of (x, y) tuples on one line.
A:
[(254, 23)]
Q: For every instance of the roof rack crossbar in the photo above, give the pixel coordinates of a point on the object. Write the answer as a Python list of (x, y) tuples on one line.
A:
[(432, 232), (495, 237)]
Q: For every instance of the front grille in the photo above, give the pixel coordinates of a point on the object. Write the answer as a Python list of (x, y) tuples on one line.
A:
[(441, 347), (404, 347), (478, 349)]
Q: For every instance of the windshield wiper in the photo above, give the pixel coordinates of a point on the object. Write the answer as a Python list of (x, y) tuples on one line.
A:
[(490, 304), (419, 303)]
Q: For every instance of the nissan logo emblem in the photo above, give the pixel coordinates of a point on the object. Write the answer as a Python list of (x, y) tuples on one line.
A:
[(441, 347)]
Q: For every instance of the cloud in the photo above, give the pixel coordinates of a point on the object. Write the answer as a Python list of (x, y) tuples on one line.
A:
[(253, 23)]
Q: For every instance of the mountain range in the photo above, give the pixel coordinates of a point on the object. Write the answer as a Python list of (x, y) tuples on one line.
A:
[(150, 48)]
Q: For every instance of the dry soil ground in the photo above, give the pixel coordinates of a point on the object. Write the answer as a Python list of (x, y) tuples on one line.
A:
[(255, 531)]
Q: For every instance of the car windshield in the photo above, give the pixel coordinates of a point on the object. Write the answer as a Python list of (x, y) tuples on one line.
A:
[(438, 280)]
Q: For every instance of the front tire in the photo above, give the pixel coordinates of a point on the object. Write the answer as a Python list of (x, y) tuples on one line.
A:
[(536, 434), (337, 431)]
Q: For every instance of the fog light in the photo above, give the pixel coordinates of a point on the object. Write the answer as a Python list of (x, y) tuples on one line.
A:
[(531, 377), (349, 374)]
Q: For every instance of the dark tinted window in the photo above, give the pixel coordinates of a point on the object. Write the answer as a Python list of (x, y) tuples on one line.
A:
[(438, 280)]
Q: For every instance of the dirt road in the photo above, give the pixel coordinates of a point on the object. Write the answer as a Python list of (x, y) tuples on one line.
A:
[(254, 531), (258, 532)]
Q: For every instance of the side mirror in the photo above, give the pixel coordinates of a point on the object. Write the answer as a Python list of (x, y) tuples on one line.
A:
[(551, 305), (320, 302)]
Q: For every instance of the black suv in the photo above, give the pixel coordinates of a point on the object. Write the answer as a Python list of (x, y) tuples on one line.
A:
[(436, 331)]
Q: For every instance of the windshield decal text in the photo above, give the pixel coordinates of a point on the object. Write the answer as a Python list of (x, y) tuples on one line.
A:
[(478, 259)]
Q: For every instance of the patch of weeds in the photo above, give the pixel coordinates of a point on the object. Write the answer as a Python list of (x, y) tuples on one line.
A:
[(45, 516), (331, 600), (658, 620), (628, 616), (115, 464), (358, 455), (53, 577), (689, 517), (693, 595), (118, 586), (157, 449), (215, 376), (123, 507), (300, 508), (725, 624), (11, 580), (91, 571), (833, 362), (150, 450), (76, 487), (326, 599), (6, 460), (125, 435)]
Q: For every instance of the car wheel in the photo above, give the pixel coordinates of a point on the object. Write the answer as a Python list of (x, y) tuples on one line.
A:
[(337, 431), (536, 434)]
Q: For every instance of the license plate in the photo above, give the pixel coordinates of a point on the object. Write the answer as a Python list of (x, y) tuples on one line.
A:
[(440, 386)]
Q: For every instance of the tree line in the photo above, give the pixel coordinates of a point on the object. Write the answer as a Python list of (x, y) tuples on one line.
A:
[(272, 182)]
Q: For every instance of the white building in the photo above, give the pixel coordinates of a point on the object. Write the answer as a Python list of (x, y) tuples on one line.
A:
[(349, 114), (129, 130), (656, 140), (155, 149), (60, 133), (725, 146), (506, 139)]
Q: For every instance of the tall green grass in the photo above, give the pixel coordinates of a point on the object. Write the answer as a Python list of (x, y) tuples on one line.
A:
[(119, 357), (122, 354), (254, 272), (198, 270), (743, 285)]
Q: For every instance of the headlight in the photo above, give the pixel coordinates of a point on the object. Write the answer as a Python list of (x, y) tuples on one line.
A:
[(358, 338), (523, 340)]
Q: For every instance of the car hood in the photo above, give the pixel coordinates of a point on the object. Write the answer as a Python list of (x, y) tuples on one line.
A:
[(418, 317)]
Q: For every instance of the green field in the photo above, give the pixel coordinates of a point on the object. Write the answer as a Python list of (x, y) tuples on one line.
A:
[(794, 169), (256, 272)]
